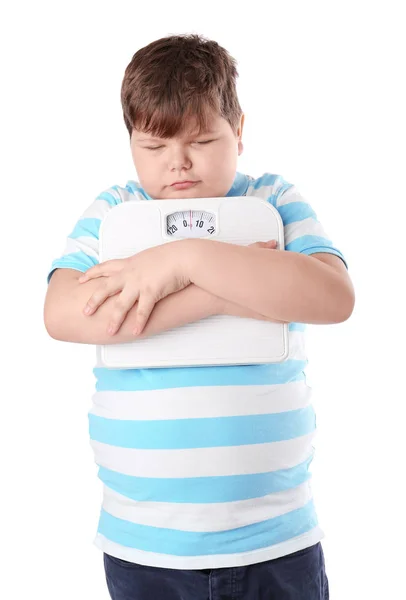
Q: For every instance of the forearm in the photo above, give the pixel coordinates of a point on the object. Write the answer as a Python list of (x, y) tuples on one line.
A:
[(186, 306), (281, 285), (189, 306)]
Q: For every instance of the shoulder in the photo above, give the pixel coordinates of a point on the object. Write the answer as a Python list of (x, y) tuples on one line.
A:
[(133, 191), (110, 197), (117, 194), (269, 186), (90, 221)]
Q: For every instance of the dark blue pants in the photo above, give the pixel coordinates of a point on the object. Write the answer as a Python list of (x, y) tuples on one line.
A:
[(297, 576)]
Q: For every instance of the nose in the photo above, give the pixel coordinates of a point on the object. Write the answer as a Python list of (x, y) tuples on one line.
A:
[(179, 159)]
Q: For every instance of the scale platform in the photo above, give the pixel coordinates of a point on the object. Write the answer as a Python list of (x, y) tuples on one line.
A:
[(137, 225)]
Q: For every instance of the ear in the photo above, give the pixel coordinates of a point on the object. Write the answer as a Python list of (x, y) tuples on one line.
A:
[(239, 135)]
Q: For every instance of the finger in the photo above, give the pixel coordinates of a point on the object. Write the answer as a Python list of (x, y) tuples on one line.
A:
[(268, 244), (146, 304), (109, 288), (103, 269), (124, 302), (84, 277), (91, 273)]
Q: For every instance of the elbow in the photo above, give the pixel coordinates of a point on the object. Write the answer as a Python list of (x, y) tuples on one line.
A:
[(51, 328), (346, 306), (53, 325), (59, 333), (48, 322), (51, 331)]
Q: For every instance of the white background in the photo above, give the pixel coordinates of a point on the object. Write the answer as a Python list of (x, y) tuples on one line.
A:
[(321, 85)]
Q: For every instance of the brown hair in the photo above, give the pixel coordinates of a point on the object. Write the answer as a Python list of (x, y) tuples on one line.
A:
[(176, 78)]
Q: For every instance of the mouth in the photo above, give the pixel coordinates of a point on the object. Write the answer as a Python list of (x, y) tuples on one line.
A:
[(184, 185)]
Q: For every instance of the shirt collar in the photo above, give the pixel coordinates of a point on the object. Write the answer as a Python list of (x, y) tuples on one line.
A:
[(240, 185)]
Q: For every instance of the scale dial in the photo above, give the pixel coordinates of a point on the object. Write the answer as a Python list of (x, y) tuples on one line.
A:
[(191, 224)]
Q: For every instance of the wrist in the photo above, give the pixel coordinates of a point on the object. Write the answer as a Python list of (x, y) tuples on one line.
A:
[(189, 249), (191, 256), (219, 305)]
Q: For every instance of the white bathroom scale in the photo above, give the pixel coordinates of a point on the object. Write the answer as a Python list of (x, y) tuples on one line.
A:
[(137, 225)]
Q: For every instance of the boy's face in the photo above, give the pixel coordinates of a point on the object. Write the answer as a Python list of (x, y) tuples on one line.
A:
[(161, 162)]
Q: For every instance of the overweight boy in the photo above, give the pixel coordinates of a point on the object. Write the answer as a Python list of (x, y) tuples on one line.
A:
[(205, 470)]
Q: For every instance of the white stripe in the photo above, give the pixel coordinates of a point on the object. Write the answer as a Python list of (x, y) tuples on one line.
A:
[(204, 462), (196, 402), (219, 516), (290, 195), (307, 226), (214, 561), (264, 191), (98, 209), (129, 196), (89, 245)]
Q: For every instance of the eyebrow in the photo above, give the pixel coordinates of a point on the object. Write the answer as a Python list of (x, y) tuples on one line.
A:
[(155, 139)]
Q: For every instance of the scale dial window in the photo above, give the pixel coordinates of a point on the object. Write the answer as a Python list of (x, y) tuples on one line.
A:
[(191, 224)]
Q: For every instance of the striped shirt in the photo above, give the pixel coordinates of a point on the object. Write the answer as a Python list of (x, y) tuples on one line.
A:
[(205, 467)]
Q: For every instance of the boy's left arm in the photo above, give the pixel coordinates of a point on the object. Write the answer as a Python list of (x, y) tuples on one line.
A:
[(282, 285)]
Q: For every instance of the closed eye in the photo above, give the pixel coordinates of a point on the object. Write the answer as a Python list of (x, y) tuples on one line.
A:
[(158, 147)]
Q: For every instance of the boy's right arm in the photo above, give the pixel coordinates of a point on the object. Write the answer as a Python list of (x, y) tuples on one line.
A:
[(66, 297)]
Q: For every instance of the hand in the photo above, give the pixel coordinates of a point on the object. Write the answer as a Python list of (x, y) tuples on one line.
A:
[(146, 277)]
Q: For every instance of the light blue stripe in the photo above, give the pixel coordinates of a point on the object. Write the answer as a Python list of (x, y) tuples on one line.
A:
[(86, 228), (195, 543), (272, 200), (297, 327), (74, 260), (329, 250), (312, 244), (175, 434), (109, 198), (240, 185), (133, 188), (308, 241), (159, 379), (296, 211), (205, 490)]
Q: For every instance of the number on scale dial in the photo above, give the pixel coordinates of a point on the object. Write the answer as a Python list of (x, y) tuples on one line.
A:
[(191, 223)]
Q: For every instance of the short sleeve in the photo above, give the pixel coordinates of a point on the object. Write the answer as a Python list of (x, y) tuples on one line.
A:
[(81, 250), (302, 231)]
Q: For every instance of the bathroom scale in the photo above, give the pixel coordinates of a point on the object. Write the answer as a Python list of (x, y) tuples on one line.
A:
[(136, 225)]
